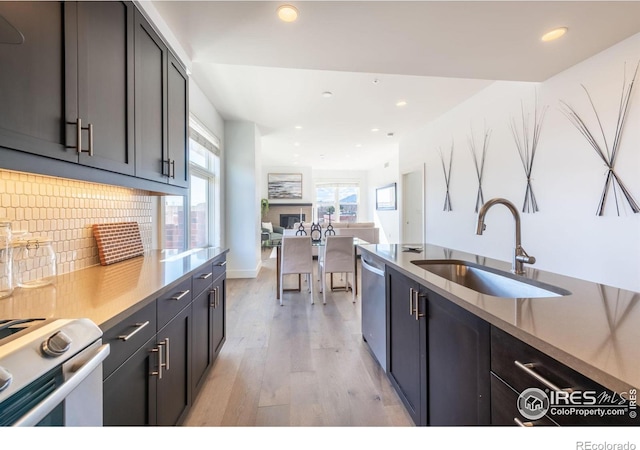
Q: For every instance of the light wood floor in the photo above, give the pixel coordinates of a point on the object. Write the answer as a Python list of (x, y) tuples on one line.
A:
[(294, 365)]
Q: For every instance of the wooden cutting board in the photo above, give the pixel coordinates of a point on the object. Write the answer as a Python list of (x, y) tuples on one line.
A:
[(118, 241)]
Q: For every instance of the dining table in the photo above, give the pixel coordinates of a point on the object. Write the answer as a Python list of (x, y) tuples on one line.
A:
[(277, 244)]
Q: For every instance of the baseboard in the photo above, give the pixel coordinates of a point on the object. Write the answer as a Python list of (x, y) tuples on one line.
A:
[(245, 273)]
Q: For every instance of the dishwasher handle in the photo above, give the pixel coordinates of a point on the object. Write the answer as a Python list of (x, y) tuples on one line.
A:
[(370, 268)]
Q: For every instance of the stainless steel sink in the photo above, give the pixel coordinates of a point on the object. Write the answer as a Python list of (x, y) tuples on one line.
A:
[(489, 281)]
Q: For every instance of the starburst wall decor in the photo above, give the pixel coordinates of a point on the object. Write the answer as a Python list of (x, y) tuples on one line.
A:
[(447, 178), (608, 151)]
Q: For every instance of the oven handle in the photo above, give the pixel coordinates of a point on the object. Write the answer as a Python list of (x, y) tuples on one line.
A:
[(47, 405)]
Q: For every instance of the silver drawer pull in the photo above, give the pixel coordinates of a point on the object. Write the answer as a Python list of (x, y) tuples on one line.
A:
[(139, 326), (205, 276), (179, 297), (520, 423), (222, 264), (528, 368)]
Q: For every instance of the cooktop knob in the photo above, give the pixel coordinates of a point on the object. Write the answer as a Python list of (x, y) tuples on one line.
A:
[(5, 379), (56, 344)]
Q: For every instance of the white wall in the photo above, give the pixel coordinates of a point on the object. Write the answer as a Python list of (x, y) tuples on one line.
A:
[(565, 236), (388, 221), (242, 166)]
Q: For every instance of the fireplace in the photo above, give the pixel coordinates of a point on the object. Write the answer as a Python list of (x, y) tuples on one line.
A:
[(288, 220)]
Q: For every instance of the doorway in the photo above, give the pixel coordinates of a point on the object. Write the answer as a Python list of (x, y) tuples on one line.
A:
[(413, 207)]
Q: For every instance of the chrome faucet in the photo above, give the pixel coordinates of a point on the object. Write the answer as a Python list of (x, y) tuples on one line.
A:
[(520, 256)]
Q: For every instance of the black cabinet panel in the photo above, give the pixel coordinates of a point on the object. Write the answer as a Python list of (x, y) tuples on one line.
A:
[(202, 346), (174, 388), (407, 345), (219, 324), (504, 407), (35, 100), (177, 125), (130, 392), (106, 83), (459, 365), (151, 102), (174, 301)]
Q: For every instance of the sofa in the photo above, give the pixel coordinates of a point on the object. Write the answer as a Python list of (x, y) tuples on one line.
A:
[(367, 231)]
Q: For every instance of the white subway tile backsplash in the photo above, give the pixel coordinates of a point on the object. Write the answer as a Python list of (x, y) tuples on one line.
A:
[(65, 210)]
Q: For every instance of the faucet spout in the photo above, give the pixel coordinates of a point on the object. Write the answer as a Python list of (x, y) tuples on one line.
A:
[(520, 256)]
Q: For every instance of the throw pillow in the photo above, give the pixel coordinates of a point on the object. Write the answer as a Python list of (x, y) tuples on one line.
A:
[(268, 226)]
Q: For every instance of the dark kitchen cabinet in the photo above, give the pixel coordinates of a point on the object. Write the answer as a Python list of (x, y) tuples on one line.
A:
[(209, 322), (173, 385), (438, 356), (67, 90), (459, 360), (161, 90), (516, 366), (407, 359), (161, 353)]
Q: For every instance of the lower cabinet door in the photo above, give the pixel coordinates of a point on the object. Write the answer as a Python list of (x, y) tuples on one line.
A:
[(130, 391), (407, 343), (219, 325), (459, 361), (202, 337), (174, 387)]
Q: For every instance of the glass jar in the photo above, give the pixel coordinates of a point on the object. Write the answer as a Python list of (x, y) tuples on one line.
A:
[(34, 262), (6, 277)]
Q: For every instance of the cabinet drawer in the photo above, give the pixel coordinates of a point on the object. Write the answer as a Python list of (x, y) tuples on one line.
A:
[(504, 407), (174, 301), (202, 279), (508, 354), (219, 266), (128, 335)]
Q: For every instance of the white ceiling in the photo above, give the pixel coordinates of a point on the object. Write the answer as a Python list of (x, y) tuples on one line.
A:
[(433, 54)]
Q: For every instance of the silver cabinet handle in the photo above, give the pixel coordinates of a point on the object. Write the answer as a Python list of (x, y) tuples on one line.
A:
[(166, 343), (139, 326), (528, 368), (182, 294), (160, 363), (205, 276), (520, 423), (78, 146), (90, 129), (215, 298), (172, 168), (411, 296), (222, 264)]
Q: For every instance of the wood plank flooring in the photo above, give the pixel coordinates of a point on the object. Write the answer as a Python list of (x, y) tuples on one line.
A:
[(297, 365)]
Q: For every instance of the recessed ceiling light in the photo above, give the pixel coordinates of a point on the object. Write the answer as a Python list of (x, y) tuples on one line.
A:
[(287, 13), (297, 144), (358, 145), (554, 34), (401, 103), (298, 127), (375, 81), (375, 129), (327, 94)]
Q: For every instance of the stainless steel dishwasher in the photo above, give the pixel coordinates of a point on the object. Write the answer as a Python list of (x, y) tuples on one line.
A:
[(373, 297)]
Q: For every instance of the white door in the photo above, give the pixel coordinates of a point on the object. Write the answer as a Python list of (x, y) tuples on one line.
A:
[(413, 207)]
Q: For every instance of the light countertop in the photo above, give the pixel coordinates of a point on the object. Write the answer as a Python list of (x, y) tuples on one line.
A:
[(595, 329), (105, 293)]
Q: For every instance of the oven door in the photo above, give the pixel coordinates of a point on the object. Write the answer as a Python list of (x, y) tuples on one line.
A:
[(69, 395)]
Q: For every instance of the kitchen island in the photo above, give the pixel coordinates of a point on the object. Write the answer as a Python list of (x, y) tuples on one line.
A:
[(591, 329)]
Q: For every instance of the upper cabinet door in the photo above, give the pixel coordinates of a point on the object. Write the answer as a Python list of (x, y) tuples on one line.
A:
[(105, 84), (37, 83), (178, 126), (151, 103)]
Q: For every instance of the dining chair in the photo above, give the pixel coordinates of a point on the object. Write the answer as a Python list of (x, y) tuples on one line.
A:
[(337, 257), (296, 258)]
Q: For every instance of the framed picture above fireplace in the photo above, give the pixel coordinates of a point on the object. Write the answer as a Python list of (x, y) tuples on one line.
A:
[(284, 186)]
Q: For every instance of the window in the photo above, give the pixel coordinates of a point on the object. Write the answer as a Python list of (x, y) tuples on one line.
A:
[(203, 211), (337, 202)]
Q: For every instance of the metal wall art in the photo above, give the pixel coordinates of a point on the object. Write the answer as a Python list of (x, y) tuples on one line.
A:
[(526, 140), (479, 156), (608, 150), (447, 178)]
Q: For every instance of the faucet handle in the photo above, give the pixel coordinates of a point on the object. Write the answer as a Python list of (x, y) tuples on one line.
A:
[(526, 259)]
